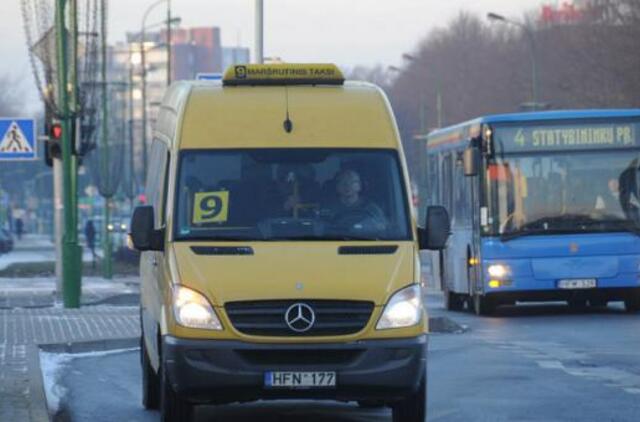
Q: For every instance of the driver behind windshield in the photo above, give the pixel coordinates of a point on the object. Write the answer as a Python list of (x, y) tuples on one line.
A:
[(608, 203), (351, 208)]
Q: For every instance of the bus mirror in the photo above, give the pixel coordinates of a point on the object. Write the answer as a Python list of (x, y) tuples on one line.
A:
[(143, 234), (437, 229), (471, 160)]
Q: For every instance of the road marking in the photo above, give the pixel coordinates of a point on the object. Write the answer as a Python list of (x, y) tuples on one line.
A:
[(555, 356)]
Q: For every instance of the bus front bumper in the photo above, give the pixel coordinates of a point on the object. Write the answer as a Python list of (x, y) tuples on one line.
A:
[(600, 294)]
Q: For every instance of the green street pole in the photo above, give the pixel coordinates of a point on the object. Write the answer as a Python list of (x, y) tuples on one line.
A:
[(107, 267), (71, 252), (74, 140)]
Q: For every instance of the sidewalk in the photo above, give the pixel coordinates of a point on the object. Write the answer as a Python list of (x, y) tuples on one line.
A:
[(31, 315), (36, 248), (40, 292)]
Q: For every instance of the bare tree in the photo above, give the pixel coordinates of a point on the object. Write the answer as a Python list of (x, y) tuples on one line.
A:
[(471, 68)]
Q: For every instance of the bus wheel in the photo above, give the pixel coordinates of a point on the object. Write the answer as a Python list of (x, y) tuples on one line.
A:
[(632, 302), (483, 305), (453, 301)]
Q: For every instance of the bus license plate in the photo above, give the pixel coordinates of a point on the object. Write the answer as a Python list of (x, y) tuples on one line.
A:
[(300, 379), (578, 283)]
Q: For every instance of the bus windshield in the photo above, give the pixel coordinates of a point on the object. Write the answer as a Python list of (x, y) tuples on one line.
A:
[(291, 194), (563, 192)]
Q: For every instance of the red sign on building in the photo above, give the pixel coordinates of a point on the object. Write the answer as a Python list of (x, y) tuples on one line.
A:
[(567, 12)]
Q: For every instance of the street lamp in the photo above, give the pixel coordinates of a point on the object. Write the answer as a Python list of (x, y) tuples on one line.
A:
[(532, 50), (417, 162), (439, 114)]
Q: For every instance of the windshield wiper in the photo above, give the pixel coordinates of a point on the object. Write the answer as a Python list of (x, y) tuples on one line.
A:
[(572, 224), (619, 224), (216, 238), (323, 238), (505, 237)]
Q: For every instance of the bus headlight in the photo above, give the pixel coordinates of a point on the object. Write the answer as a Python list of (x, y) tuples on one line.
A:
[(193, 310), (499, 271), (404, 309)]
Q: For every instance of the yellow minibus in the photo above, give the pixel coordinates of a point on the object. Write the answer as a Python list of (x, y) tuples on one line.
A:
[(280, 256)]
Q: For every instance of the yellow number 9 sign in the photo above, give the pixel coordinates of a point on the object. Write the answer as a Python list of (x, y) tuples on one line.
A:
[(210, 207)]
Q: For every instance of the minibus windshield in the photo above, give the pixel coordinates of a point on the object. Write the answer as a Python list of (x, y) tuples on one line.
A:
[(291, 194)]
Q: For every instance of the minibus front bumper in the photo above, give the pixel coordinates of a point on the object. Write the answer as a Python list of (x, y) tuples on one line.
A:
[(211, 371)]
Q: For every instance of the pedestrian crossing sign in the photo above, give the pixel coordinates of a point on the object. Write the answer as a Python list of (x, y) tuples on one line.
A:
[(17, 139)]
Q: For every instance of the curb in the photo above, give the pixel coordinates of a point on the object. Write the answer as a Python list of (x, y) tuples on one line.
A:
[(40, 409)]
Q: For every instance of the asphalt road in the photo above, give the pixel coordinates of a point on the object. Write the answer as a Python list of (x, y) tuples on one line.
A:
[(528, 363)]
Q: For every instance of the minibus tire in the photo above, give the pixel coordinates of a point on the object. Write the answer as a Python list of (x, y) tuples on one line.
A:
[(173, 408), (414, 407), (150, 380), (632, 302)]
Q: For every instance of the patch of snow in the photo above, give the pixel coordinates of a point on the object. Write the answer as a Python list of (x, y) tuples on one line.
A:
[(53, 367)]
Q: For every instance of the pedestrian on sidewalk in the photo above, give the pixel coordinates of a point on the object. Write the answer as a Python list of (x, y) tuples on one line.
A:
[(90, 236), (19, 228)]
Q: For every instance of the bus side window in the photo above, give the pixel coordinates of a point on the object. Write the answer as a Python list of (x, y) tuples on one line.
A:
[(461, 194), (447, 185)]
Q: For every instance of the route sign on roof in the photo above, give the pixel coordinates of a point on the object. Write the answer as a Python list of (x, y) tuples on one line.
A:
[(17, 139)]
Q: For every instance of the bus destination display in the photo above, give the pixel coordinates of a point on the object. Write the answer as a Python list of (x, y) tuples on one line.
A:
[(567, 137)]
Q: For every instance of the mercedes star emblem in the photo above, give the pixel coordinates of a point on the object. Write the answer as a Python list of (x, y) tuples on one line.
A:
[(300, 317)]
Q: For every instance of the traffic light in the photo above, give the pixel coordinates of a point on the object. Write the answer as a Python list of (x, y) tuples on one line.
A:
[(56, 132), (52, 146)]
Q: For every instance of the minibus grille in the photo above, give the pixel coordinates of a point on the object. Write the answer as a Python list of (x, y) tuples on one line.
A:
[(268, 318)]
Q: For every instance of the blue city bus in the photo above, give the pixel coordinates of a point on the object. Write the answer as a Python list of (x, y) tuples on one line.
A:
[(545, 206)]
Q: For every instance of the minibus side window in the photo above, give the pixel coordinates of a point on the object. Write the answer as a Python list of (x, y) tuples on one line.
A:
[(156, 180)]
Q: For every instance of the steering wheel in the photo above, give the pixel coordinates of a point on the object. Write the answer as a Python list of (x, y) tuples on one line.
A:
[(359, 219)]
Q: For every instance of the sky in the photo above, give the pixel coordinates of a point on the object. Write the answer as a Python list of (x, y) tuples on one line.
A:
[(346, 32)]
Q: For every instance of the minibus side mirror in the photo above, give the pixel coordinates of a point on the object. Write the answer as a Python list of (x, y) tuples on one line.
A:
[(471, 160), (143, 234), (437, 229)]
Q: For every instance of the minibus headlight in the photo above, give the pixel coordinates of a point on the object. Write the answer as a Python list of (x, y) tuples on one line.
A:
[(192, 310), (403, 310), (499, 271)]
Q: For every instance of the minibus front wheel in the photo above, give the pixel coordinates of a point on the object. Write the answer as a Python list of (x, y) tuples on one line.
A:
[(150, 380), (414, 407), (173, 408)]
